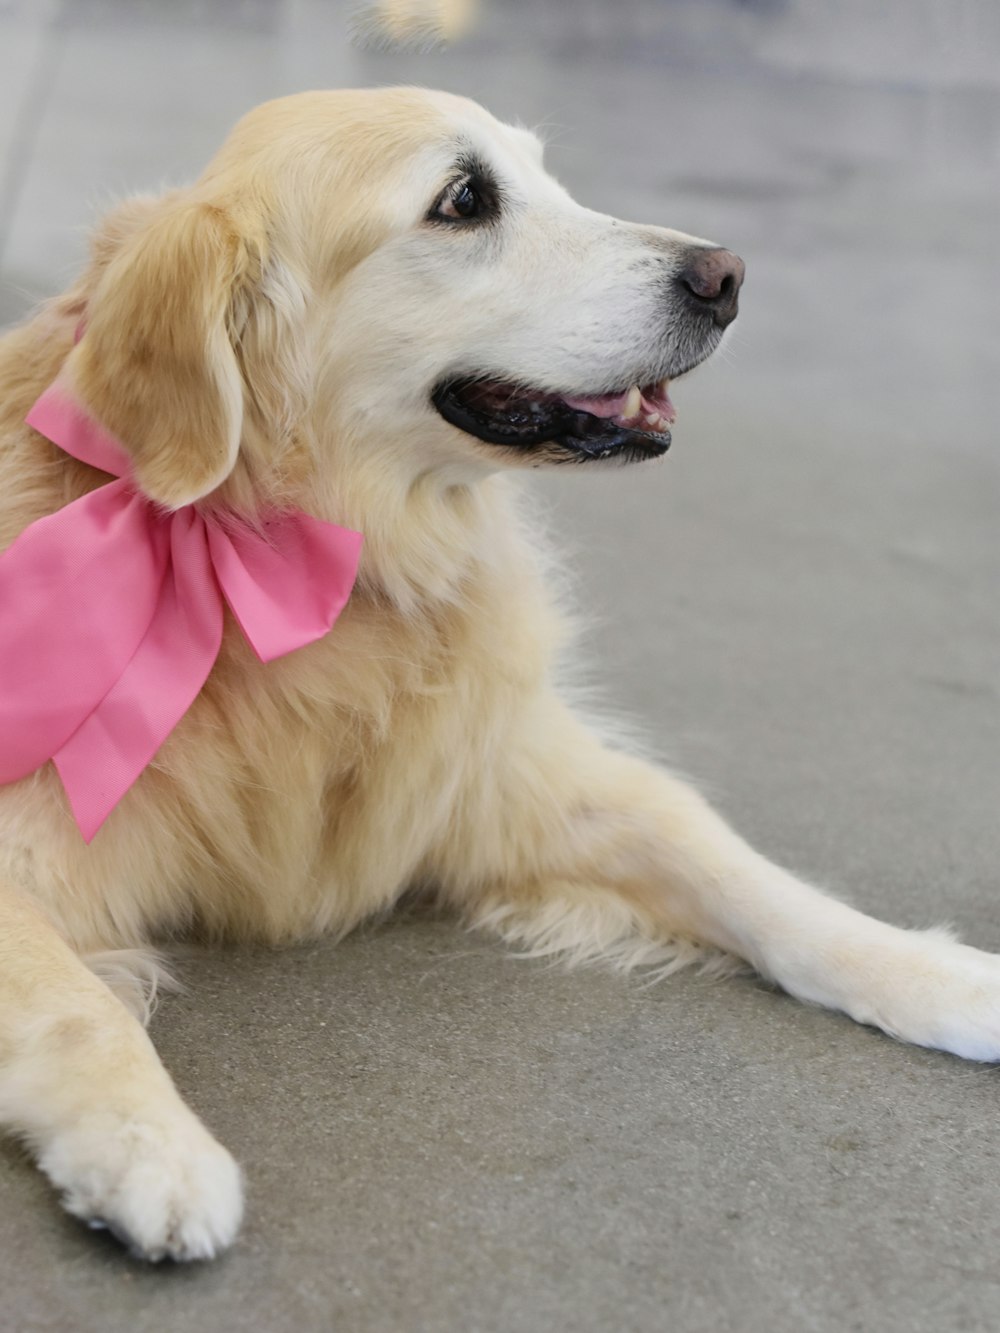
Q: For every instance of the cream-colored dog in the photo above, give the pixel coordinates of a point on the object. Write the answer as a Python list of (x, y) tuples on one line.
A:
[(372, 307)]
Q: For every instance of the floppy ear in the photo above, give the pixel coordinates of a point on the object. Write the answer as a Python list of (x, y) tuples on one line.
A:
[(156, 364)]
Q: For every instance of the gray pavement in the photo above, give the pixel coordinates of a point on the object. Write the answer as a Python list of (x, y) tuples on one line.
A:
[(800, 604)]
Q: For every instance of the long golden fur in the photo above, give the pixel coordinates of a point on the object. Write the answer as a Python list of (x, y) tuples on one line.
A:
[(271, 336)]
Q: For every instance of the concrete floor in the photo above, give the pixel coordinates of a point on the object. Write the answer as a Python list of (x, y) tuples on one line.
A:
[(801, 604)]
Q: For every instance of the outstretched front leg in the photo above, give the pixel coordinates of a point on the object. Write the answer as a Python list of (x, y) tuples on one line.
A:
[(568, 846), (81, 1083)]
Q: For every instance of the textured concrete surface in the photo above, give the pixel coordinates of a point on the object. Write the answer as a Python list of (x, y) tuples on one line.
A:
[(800, 603)]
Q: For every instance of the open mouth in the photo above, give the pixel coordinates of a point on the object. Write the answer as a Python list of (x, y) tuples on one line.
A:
[(633, 423)]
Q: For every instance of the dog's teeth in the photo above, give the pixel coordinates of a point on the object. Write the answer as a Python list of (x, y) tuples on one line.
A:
[(652, 418), (633, 401)]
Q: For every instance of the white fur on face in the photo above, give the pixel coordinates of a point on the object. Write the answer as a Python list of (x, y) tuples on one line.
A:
[(548, 294)]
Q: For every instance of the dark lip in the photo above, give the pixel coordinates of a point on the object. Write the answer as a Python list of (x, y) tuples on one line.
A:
[(549, 424)]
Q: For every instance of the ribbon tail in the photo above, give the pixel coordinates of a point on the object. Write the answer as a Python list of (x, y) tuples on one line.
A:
[(103, 758), (77, 589)]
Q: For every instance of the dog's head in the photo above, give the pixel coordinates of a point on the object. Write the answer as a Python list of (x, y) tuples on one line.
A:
[(393, 269)]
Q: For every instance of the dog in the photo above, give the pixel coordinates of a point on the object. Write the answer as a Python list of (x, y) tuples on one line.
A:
[(371, 310)]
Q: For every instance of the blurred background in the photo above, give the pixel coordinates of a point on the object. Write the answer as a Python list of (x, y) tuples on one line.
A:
[(799, 603)]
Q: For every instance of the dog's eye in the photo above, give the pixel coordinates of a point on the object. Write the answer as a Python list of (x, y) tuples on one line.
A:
[(459, 202), (472, 197)]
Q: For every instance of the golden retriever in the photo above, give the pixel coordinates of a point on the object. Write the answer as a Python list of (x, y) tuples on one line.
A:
[(373, 307)]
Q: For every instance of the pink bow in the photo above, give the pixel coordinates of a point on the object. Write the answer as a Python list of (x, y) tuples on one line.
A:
[(111, 615)]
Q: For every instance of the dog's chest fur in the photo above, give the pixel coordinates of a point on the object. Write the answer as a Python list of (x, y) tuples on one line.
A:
[(296, 796)]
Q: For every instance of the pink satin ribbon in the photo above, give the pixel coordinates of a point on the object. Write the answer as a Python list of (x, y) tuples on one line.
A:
[(111, 614)]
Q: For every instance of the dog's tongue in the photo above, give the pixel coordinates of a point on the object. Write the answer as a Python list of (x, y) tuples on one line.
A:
[(649, 409)]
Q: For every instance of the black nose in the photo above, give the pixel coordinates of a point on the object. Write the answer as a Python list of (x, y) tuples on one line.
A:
[(711, 280)]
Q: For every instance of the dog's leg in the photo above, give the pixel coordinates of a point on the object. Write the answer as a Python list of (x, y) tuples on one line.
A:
[(81, 1083), (569, 847)]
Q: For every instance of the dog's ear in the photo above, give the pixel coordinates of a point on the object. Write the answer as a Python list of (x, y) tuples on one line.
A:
[(157, 364)]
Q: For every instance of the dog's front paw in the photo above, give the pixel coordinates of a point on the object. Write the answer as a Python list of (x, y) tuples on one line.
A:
[(933, 991), (160, 1183)]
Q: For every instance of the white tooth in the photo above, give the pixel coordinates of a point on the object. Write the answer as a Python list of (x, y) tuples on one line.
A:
[(652, 419), (633, 401)]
